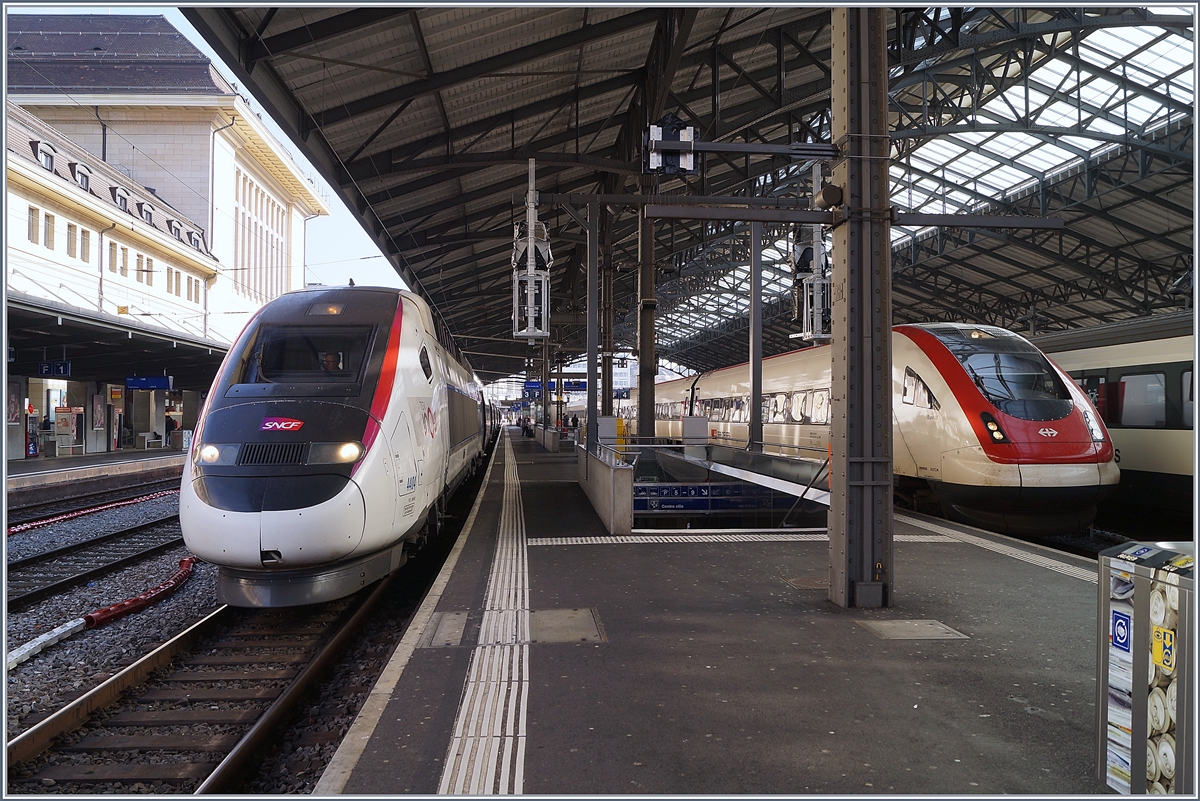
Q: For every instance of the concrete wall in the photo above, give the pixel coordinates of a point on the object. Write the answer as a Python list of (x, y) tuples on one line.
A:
[(547, 438), (609, 488)]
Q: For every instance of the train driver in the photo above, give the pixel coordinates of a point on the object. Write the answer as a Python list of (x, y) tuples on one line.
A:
[(329, 362)]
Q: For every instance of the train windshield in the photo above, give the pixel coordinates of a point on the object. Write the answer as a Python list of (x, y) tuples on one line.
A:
[(1011, 373), (293, 354)]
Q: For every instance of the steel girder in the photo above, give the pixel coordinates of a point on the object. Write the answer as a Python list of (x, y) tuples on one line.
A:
[(736, 82)]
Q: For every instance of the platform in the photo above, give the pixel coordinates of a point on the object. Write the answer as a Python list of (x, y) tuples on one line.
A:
[(88, 471), (552, 658)]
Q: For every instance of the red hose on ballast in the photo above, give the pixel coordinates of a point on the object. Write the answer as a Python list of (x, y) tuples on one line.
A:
[(107, 615), (19, 527)]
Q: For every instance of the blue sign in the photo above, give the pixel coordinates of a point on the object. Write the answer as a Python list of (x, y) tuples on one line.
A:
[(148, 382), (533, 385), (621, 394), (62, 369), (45, 369), (1122, 631)]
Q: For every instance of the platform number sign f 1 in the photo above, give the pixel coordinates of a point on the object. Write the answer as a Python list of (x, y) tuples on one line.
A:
[(1122, 634)]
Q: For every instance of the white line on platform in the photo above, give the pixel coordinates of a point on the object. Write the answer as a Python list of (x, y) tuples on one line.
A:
[(1082, 573), (487, 752), (337, 773), (641, 539)]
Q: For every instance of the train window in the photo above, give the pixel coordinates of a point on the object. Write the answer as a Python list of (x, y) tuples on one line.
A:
[(1187, 398), (1142, 400), (916, 391), (309, 355), (799, 399), (820, 407), (326, 308), (1012, 374), (779, 405), (426, 367)]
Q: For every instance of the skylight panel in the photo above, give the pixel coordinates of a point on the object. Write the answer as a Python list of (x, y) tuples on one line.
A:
[(1007, 176), (973, 163), (1005, 146), (1104, 126), (1100, 92), (973, 137), (1060, 115), (1115, 43), (942, 150), (1141, 109), (1046, 158)]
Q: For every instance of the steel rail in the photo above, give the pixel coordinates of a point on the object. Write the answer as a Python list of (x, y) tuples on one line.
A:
[(37, 738), (244, 755), (23, 600), (141, 492)]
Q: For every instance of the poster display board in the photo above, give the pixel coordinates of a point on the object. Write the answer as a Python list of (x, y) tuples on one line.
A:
[(1144, 688)]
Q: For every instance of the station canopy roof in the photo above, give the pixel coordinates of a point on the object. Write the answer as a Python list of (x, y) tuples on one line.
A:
[(425, 119), (101, 348)]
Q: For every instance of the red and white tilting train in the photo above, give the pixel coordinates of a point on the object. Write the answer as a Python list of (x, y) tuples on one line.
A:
[(334, 431), (984, 425)]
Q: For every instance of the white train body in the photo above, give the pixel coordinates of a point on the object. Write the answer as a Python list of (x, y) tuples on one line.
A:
[(1139, 373), (1053, 463), (306, 481)]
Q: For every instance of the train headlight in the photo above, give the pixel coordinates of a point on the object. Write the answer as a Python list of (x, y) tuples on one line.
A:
[(334, 452), (993, 428), (1093, 425), (218, 453)]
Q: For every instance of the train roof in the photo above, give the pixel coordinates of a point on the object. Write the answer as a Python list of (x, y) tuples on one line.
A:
[(1134, 329)]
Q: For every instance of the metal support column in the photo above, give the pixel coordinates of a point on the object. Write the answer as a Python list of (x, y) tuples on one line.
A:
[(647, 368), (860, 514), (606, 318), (593, 319), (546, 382), (756, 351)]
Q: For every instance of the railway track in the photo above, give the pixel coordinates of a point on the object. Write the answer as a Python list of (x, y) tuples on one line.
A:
[(45, 574), (197, 713), (20, 515)]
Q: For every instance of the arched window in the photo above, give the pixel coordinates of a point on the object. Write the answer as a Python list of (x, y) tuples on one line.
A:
[(147, 212), (82, 174), (121, 198), (45, 154)]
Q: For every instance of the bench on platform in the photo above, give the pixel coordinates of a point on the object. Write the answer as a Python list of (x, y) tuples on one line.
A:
[(149, 439)]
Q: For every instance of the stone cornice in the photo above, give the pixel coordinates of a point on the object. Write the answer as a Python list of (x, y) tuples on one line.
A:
[(256, 137)]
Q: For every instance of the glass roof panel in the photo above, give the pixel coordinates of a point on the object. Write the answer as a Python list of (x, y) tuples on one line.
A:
[(955, 173)]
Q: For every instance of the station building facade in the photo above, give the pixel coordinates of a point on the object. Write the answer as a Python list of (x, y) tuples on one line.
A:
[(144, 191)]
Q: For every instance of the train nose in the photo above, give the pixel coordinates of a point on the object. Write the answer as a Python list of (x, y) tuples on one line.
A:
[(273, 538)]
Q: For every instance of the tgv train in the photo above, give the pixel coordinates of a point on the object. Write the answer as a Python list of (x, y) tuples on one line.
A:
[(983, 425), (334, 431), (1139, 373)]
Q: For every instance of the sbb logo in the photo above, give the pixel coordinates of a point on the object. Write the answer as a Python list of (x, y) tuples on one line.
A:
[(280, 424)]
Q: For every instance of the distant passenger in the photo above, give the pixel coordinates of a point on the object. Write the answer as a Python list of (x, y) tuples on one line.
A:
[(46, 424), (574, 421), (171, 425)]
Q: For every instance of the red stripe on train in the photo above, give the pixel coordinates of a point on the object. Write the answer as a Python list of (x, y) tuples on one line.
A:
[(1072, 444), (387, 378)]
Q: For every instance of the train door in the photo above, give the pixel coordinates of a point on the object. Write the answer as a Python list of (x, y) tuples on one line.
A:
[(404, 462), (403, 457)]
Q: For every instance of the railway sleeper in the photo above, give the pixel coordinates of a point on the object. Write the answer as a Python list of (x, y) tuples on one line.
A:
[(126, 774)]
